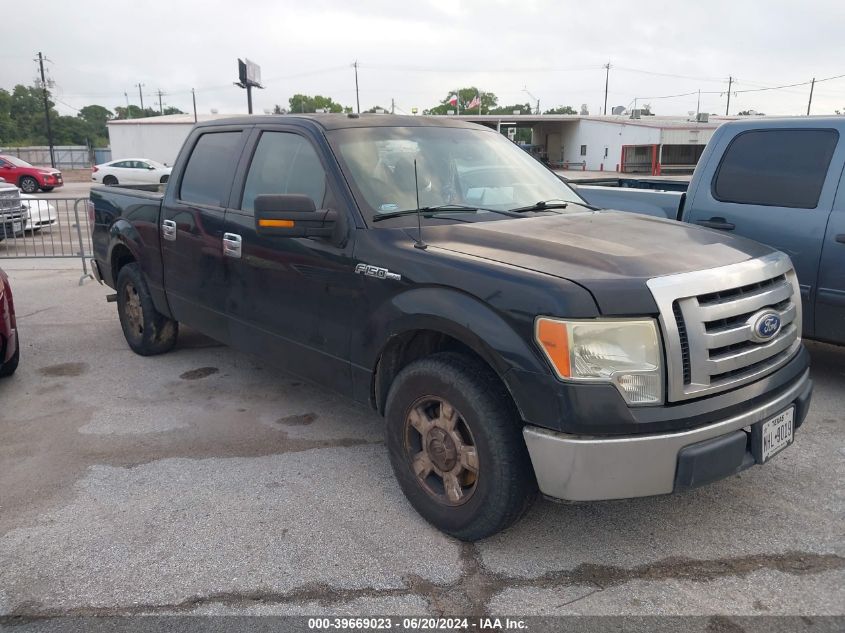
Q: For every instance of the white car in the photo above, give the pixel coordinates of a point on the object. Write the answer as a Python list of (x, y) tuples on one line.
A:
[(42, 214), (131, 171)]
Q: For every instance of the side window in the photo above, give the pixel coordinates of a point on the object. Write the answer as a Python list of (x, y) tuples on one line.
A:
[(583, 150), (210, 169), (780, 168), (121, 164), (284, 163)]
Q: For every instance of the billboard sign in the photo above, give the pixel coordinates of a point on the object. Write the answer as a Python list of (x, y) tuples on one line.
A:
[(249, 73)]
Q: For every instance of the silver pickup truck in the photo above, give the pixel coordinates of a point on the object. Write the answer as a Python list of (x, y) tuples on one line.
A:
[(777, 181)]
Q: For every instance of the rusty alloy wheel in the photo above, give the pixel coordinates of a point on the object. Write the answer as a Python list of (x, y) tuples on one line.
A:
[(134, 311), (441, 451)]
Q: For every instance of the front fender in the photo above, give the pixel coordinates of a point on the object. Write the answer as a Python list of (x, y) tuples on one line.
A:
[(453, 313)]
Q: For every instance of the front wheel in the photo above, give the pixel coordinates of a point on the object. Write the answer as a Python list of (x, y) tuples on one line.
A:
[(47, 189), (456, 447), (147, 331), (29, 184)]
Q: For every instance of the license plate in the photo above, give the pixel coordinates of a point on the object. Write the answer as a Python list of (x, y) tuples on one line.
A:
[(775, 434)]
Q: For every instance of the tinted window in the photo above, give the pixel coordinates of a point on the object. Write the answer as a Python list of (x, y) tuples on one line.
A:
[(122, 164), (210, 169), (781, 168), (284, 163)]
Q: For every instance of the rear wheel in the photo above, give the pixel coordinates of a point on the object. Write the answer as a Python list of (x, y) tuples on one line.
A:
[(456, 446), (109, 181), (147, 331), (28, 184), (7, 369)]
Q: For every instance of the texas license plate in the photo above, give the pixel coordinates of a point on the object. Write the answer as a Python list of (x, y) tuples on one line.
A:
[(775, 434)]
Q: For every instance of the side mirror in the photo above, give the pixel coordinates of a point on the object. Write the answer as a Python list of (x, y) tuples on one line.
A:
[(292, 215)]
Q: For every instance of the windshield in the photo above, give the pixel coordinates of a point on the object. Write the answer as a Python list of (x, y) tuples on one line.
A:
[(454, 166), (17, 162)]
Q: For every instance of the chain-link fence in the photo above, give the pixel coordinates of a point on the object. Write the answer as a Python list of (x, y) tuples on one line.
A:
[(47, 228)]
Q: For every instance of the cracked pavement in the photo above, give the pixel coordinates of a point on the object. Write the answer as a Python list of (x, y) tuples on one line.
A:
[(204, 482)]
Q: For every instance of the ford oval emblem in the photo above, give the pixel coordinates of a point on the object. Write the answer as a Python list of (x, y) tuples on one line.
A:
[(765, 326)]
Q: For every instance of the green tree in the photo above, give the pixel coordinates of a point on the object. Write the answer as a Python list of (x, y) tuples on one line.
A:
[(562, 110), (508, 109), (465, 97), (375, 109), (134, 112), (300, 103), (172, 110)]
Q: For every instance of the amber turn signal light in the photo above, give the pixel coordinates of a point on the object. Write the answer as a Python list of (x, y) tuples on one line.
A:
[(553, 337), (276, 224)]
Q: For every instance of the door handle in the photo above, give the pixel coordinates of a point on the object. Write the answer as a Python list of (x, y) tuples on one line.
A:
[(232, 245), (841, 238), (168, 230), (717, 223)]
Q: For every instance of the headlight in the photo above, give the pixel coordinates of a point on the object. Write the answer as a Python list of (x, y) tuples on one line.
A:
[(625, 353)]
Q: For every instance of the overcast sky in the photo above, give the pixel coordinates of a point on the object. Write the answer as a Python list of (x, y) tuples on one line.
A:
[(416, 52)]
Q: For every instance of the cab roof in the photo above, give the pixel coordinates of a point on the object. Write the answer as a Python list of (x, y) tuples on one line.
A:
[(340, 121)]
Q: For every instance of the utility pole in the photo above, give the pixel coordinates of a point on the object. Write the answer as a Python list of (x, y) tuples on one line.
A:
[(47, 109), (698, 105), (128, 113), (357, 99), (141, 95), (606, 82), (810, 102), (728, 107), (194, 97), (392, 106), (160, 106)]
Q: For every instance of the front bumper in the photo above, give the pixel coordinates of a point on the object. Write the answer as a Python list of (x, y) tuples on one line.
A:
[(587, 468)]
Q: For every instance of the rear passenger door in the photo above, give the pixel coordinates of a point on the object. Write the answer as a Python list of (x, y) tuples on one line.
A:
[(192, 227), (290, 299), (774, 186)]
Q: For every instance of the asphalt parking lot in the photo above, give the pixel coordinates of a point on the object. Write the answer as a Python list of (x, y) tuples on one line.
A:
[(205, 482)]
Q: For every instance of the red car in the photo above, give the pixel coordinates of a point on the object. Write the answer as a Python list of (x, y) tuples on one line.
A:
[(30, 179), (9, 346)]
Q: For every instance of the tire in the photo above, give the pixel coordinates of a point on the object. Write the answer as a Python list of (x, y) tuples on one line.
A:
[(7, 369), (147, 331), (110, 181), (164, 179), (47, 189), (28, 184), (467, 503)]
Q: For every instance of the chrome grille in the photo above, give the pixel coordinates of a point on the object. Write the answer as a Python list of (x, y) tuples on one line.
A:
[(10, 200), (707, 321)]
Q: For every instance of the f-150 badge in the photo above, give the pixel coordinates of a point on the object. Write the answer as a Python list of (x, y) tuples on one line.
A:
[(375, 271)]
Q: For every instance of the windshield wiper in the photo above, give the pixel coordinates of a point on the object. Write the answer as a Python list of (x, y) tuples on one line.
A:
[(543, 205), (430, 211)]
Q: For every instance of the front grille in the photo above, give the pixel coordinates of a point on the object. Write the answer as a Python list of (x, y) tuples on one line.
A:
[(10, 201), (707, 319)]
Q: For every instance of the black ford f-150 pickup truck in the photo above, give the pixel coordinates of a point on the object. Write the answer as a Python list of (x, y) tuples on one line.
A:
[(513, 337)]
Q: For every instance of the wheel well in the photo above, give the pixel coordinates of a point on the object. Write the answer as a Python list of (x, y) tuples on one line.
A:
[(120, 256), (405, 348)]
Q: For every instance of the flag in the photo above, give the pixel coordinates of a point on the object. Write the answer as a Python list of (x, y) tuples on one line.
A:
[(453, 100), (475, 103)]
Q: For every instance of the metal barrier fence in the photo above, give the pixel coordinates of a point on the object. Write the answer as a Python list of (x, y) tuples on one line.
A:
[(66, 156), (49, 228)]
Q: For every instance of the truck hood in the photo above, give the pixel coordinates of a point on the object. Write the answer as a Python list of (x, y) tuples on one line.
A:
[(612, 254)]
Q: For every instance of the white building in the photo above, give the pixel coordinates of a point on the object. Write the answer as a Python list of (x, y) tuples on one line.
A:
[(159, 138), (648, 145)]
